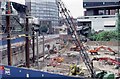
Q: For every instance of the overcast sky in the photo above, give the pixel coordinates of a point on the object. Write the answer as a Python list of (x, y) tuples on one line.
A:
[(75, 7), (19, 1)]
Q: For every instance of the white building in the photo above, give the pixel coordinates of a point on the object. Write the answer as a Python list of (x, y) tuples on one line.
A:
[(99, 22), (100, 14)]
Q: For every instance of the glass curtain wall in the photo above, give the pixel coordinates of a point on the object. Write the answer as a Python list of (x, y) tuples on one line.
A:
[(45, 10)]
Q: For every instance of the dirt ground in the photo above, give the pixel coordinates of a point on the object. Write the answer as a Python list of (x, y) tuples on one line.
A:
[(72, 57)]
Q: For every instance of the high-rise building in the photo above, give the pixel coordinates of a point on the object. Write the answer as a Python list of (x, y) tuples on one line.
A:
[(100, 14), (101, 7), (46, 11)]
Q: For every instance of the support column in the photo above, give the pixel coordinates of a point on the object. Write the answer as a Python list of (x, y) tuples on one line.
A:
[(33, 47), (27, 44), (43, 47), (9, 52), (109, 12)]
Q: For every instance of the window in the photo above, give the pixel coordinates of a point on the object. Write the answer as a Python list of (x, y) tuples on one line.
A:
[(112, 12), (109, 26), (101, 12)]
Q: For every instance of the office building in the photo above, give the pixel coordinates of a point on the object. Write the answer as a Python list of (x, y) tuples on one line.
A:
[(46, 11), (101, 7), (100, 14)]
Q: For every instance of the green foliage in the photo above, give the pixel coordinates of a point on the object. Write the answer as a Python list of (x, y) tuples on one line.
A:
[(105, 36), (118, 26), (108, 35), (44, 29)]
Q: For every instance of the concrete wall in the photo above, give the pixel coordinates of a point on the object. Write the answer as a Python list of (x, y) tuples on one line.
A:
[(97, 22), (105, 43)]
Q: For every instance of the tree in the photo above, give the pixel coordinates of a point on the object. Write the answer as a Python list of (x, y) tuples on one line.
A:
[(118, 26), (105, 36), (43, 29), (108, 35)]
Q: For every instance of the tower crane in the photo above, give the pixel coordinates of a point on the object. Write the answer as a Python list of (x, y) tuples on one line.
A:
[(65, 14)]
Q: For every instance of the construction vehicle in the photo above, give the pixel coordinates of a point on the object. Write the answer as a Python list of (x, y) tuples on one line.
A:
[(56, 61), (75, 70), (109, 60), (75, 48), (8, 71), (53, 50), (105, 75), (65, 14), (95, 51), (118, 60)]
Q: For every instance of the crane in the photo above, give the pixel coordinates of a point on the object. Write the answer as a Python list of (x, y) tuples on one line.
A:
[(65, 13)]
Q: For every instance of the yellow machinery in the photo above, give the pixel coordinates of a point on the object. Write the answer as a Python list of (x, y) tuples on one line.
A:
[(75, 70)]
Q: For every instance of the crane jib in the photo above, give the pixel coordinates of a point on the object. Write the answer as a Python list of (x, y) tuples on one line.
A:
[(72, 26)]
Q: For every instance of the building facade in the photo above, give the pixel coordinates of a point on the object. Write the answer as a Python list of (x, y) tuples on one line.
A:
[(100, 14), (45, 10), (101, 7)]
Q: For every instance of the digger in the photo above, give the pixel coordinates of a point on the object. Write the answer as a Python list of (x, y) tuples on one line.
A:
[(75, 70), (95, 51)]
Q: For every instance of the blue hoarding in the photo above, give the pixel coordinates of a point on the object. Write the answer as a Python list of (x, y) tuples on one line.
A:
[(14, 72)]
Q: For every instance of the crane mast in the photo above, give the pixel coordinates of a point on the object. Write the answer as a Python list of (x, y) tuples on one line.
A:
[(65, 14)]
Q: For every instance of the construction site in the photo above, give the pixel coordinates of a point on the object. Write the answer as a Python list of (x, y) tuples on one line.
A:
[(69, 54), (62, 61)]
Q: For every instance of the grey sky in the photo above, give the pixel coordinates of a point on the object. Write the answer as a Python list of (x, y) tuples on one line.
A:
[(75, 7)]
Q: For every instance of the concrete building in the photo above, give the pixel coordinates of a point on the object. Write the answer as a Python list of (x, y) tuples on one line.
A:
[(101, 7), (46, 11), (100, 14)]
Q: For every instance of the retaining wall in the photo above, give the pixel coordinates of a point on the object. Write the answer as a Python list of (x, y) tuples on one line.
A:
[(106, 43)]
